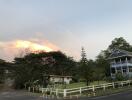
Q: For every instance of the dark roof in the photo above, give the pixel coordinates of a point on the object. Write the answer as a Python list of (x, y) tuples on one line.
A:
[(119, 53)]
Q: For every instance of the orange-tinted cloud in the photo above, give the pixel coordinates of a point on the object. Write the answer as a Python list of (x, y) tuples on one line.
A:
[(11, 49), (32, 46)]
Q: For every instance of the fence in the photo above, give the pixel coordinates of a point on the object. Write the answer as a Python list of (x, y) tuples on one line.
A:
[(80, 90)]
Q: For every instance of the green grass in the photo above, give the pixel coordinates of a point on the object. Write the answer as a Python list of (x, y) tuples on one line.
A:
[(75, 85), (98, 82), (113, 91)]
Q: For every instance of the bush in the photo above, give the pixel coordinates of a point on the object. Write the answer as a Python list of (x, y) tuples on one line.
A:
[(120, 77)]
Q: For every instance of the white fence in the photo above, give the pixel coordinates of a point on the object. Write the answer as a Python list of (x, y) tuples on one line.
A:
[(80, 90)]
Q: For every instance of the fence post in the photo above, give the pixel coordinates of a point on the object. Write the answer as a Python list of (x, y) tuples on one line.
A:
[(50, 91), (29, 89), (104, 87), (122, 84), (80, 90), (113, 84), (42, 90), (64, 93), (93, 88), (56, 92)]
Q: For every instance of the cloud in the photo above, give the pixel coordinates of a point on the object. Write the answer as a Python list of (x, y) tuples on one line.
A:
[(11, 49)]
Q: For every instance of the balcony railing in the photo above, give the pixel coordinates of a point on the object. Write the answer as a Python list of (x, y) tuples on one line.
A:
[(122, 62)]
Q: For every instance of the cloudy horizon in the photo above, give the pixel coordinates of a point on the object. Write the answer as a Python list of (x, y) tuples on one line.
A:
[(64, 25)]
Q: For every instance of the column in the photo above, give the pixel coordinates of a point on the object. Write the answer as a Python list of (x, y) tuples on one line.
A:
[(127, 65), (121, 66), (126, 59), (115, 70), (115, 66), (114, 61), (110, 70)]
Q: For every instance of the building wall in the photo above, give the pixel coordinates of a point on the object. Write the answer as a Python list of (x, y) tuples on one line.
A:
[(67, 80), (123, 65), (60, 79)]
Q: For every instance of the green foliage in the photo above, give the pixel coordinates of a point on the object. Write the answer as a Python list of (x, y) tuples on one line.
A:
[(85, 68), (103, 64), (34, 67), (119, 77), (120, 43), (98, 74), (3, 66)]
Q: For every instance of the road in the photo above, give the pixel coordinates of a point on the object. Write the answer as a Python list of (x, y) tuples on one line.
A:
[(119, 96), (18, 95), (22, 95)]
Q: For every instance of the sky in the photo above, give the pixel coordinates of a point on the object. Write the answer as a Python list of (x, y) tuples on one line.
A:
[(65, 25)]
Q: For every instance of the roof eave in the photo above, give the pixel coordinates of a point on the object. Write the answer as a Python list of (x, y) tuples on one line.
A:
[(119, 57)]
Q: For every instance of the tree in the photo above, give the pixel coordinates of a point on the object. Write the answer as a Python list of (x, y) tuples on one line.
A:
[(98, 74), (3, 67), (35, 66), (103, 64), (85, 68), (120, 43)]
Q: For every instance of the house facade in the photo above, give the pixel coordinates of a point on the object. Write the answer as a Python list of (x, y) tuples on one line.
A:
[(60, 79), (121, 62)]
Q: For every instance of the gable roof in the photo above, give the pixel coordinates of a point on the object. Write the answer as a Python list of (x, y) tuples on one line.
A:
[(119, 53)]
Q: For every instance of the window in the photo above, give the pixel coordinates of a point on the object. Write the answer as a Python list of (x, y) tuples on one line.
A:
[(113, 70), (124, 68), (130, 68)]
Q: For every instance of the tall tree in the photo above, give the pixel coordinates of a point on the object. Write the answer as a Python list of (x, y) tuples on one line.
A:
[(120, 43), (85, 68), (103, 64)]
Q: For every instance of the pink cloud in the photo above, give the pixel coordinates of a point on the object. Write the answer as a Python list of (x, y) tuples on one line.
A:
[(11, 49)]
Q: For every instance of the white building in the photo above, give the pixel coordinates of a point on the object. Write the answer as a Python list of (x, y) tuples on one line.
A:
[(60, 79), (121, 61)]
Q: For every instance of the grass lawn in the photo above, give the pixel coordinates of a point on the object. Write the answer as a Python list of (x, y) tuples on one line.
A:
[(79, 84), (113, 91)]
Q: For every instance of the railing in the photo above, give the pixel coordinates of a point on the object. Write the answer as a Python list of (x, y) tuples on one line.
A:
[(122, 62), (80, 90)]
